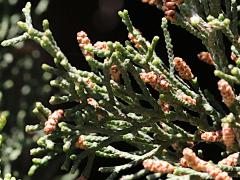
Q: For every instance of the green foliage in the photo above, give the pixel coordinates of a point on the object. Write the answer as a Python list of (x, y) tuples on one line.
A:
[(132, 97)]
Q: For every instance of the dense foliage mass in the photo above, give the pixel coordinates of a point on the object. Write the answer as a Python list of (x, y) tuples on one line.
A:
[(132, 98)]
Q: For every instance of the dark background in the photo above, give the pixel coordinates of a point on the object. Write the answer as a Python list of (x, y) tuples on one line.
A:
[(100, 20)]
